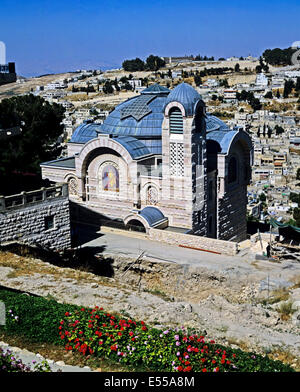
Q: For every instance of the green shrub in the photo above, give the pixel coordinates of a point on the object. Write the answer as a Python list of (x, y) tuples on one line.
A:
[(37, 317)]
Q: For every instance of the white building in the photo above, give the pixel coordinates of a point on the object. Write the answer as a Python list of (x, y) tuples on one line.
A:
[(230, 94), (261, 80)]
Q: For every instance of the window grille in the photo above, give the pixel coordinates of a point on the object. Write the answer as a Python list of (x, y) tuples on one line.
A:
[(176, 159)]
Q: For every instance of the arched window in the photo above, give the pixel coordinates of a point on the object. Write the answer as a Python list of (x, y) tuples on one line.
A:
[(110, 178), (176, 121), (152, 195), (232, 170), (73, 186)]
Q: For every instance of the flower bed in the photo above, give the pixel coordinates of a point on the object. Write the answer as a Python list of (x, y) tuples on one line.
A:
[(129, 342), (96, 332)]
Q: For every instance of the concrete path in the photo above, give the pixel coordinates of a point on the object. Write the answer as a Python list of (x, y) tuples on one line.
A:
[(28, 359)]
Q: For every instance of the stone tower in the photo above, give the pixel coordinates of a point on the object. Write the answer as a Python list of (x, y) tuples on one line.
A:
[(184, 159)]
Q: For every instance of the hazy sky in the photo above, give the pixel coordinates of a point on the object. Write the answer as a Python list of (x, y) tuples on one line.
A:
[(57, 36)]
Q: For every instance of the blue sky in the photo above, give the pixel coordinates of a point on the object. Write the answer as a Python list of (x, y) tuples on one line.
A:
[(57, 36)]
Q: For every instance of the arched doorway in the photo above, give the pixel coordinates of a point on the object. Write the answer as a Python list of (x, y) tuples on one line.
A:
[(135, 225)]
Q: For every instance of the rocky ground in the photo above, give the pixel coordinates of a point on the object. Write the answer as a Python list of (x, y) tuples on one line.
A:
[(259, 311)]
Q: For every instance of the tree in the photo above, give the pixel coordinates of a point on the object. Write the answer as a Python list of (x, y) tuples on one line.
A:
[(224, 83), (279, 130), (296, 216), (258, 69), (278, 56), (108, 88), (154, 63), (270, 130), (269, 95), (262, 197), (127, 86), (197, 80), (255, 104), (237, 67), (298, 174), (41, 124), (133, 65), (288, 87)]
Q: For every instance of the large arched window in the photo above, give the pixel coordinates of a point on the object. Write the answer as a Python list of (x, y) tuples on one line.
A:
[(110, 178), (176, 120), (232, 170)]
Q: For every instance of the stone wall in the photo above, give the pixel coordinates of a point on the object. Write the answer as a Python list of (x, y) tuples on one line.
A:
[(194, 241), (232, 223), (6, 78), (40, 218)]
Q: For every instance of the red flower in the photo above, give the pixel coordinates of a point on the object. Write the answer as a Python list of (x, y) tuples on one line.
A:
[(180, 368), (204, 370), (144, 328)]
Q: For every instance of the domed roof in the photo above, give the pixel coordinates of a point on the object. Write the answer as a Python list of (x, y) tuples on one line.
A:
[(85, 132), (213, 123), (185, 94), (140, 116), (156, 89), (152, 215)]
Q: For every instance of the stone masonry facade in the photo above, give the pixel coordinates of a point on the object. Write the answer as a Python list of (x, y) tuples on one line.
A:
[(39, 218)]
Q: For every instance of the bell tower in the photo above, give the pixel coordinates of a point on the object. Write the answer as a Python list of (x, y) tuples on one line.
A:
[(184, 159)]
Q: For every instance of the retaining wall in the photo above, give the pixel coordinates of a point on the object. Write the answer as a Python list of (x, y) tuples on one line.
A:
[(194, 241)]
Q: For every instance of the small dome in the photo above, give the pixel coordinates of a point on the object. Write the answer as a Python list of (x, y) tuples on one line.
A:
[(152, 215), (156, 89), (186, 95)]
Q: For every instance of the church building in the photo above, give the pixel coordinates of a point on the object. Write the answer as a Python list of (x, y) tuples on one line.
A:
[(160, 160)]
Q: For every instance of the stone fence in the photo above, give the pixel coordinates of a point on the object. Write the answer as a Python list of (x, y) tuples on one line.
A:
[(194, 242), (28, 198), (40, 218)]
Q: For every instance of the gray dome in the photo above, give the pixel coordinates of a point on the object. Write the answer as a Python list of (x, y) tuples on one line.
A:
[(186, 95)]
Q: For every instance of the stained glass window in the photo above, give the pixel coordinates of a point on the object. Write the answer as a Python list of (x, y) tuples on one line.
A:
[(110, 178)]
